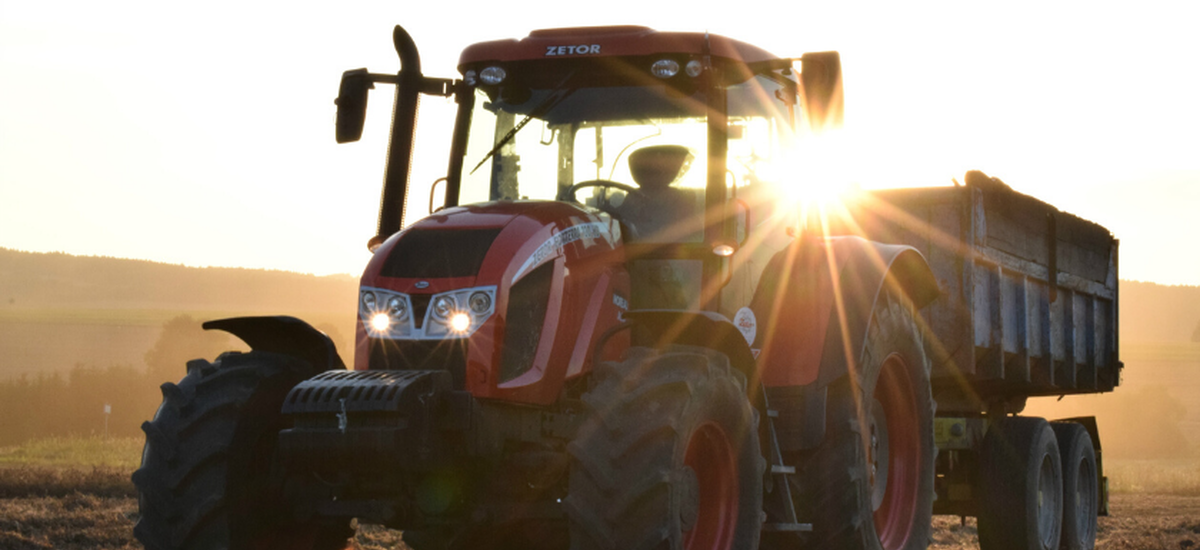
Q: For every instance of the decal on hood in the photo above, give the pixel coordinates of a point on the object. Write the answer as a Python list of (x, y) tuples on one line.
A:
[(588, 232)]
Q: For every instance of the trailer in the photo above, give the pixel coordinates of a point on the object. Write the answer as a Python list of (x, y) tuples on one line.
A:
[(1027, 307)]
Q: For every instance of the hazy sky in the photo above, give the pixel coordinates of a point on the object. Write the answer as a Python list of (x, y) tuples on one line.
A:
[(203, 133)]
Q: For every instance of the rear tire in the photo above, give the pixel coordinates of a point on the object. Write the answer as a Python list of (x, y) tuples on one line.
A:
[(668, 457), (869, 485), (1081, 499), (1021, 477), (210, 478)]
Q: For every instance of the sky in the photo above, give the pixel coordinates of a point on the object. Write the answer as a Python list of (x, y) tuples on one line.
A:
[(202, 134)]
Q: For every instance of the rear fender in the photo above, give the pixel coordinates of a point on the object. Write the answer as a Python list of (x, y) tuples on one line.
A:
[(285, 335), (814, 303)]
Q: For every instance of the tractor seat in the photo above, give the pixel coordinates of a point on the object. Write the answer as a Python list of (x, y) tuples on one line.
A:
[(659, 212)]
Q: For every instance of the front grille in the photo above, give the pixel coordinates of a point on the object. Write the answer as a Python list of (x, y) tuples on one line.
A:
[(439, 253), (420, 304), (527, 302), (447, 355)]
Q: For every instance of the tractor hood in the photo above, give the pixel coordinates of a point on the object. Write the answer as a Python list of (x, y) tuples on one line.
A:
[(487, 243), (486, 285)]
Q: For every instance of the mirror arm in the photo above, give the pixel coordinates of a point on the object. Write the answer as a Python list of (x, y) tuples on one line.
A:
[(433, 190)]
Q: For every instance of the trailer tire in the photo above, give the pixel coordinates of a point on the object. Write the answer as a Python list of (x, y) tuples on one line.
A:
[(879, 424), (668, 456), (1021, 477), (209, 477), (1081, 499)]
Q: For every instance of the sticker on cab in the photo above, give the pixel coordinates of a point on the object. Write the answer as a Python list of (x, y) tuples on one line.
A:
[(746, 324)]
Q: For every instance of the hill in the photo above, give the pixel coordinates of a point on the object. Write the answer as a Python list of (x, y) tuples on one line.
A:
[(1158, 313), (58, 310), (62, 281)]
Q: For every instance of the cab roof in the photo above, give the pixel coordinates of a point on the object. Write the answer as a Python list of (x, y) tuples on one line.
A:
[(583, 42)]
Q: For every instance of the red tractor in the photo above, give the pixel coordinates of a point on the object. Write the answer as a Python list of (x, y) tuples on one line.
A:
[(615, 334)]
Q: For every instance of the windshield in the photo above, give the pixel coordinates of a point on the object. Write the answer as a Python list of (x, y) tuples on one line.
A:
[(564, 137)]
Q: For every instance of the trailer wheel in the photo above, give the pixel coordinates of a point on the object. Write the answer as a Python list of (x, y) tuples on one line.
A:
[(1022, 489), (869, 485), (668, 456), (1081, 500), (209, 478)]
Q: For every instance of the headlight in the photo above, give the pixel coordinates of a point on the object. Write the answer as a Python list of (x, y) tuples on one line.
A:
[(480, 302), (381, 322), (492, 75), (665, 68), (385, 313), (443, 306), (459, 312), (460, 322), (397, 307)]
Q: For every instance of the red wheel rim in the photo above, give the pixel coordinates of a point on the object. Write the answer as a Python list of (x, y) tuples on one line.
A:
[(894, 392), (710, 456)]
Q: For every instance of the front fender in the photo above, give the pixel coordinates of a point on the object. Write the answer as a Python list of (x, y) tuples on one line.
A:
[(814, 302), (285, 335)]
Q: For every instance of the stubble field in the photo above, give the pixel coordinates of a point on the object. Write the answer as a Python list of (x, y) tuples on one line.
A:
[(48, 502)]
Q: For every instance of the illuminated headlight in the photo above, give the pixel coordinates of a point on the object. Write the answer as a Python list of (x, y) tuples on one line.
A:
[(385, 313), (381, 322), (492, 75), (664, 68), (460, 322), (460, 312)]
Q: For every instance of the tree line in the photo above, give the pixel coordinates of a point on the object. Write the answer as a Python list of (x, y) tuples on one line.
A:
[(75, 403)]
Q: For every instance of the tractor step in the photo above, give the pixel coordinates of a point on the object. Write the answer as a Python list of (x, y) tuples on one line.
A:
[(778, 505), (787, 527)]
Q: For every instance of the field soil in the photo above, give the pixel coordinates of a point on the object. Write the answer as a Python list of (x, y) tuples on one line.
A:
[(1136, 521), (72, 509)]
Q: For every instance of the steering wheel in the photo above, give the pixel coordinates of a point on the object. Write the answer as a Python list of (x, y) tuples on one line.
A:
[(604, 204)]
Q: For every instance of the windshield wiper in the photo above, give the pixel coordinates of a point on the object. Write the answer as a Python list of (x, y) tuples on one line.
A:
[(557, 95)]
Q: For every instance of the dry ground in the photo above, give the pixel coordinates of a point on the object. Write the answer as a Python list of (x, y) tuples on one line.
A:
[(71, 509), (1137, 521)]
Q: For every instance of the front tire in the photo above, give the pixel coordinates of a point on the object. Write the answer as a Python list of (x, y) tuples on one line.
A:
[(869, 484), (668, 458), (210, 478)]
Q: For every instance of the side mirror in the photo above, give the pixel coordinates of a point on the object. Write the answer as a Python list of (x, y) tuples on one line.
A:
[(352, 104), (821, 78)]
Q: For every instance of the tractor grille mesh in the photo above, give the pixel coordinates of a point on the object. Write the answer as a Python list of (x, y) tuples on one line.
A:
[(439, 253), (527, 302)]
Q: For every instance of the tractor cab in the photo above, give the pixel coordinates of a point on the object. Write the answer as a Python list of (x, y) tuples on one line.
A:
[(681, 137)]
